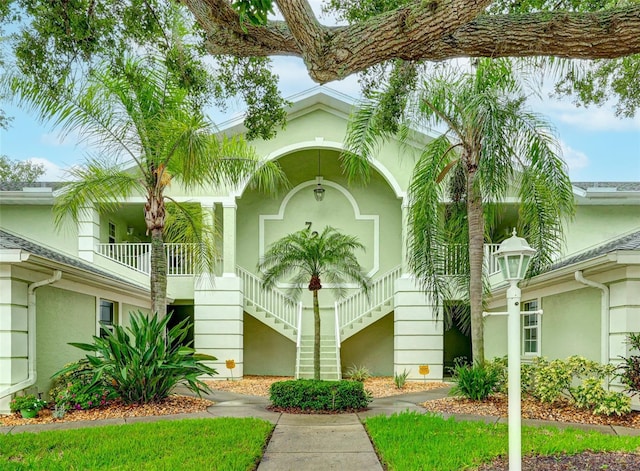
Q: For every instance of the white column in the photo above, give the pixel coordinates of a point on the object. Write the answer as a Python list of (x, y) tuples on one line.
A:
[(417, 332), (219, 306), (88, 232), (405, 224), (229, 238), (13, 333), (219, 323)]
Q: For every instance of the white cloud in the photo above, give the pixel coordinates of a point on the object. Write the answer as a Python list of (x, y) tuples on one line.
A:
[(52, 171), (593, 118), (575, 159)]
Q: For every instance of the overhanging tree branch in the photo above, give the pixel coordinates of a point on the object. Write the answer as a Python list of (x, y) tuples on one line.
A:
[(420, 30)]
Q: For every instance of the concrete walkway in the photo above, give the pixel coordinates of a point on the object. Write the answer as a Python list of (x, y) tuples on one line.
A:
[(314, 441)]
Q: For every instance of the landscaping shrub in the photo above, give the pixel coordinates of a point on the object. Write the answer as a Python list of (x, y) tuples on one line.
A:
[(577, 379), (311, 394), (629, 371), (76, 389), (144, 362), (591, 395), (358, 373), (475, 382)]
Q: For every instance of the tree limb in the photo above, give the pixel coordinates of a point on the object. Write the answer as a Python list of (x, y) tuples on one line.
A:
[(420, 30)]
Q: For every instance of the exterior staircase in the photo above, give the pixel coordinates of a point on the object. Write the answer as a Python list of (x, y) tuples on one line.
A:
[(329, 361), (271, 307), (358, 311), (352, 314)]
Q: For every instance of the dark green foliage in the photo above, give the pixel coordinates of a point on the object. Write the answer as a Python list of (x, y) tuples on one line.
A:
[(311, 394), (475, 382), (629, 370), (23, 171), (76, 389), (144, 362)]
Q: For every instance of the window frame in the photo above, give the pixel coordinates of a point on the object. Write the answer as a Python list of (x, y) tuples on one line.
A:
[(100, 304), (111, 236), (530, 305)]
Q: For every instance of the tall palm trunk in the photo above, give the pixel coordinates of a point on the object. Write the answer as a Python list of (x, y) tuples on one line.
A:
[(154, 216), (476, 253), (316, 336)]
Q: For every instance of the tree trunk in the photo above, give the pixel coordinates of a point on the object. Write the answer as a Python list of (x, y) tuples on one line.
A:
[(316, 336), (476, 253), (154, 215), (158, 277)]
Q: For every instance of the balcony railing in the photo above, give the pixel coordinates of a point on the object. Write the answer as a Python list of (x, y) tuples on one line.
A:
[(453, 257), (181, 257), (137, 256)]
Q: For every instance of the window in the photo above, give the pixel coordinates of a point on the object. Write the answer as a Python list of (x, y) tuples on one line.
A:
[(106, 316), (112, 233), (530, 329)]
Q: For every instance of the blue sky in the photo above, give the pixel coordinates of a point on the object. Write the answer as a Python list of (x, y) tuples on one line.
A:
[(597, 146)]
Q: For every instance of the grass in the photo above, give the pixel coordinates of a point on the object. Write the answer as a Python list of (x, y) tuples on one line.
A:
[(213, 444), (410, 441)]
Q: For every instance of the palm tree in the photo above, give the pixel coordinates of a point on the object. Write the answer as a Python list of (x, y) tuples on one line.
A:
[(149, 133), (307, 256), (493, 145)]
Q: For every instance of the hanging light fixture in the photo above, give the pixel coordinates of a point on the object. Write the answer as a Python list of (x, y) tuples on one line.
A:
[(318, 191)]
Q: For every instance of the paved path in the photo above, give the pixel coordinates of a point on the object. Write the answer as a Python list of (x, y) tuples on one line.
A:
[(314, 441)]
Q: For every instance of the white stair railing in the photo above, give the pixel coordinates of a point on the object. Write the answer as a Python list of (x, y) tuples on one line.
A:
[(338, 343), (299, 340), (359, 304), (273, 302), (137, 256)]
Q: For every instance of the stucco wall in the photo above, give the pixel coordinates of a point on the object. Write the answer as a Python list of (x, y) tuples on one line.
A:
[(570, 326), (372, 347), (265, 351), (35, 222), (62, 317), (495, 334), (594, 224)]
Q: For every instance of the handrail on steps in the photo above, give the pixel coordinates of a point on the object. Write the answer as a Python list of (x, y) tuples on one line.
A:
[(359, 304)]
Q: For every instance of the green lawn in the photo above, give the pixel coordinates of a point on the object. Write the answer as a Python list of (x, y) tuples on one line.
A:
[(411, 441), (211, 444)]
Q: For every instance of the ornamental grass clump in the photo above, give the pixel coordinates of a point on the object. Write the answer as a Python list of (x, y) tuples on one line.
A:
[(476, 382), (144, 362)]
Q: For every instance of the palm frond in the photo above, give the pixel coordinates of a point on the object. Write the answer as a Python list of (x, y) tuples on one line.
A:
[(98, 183)]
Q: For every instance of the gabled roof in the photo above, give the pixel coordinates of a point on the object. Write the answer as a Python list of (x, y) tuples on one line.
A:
[(627, 242), (11, 241)]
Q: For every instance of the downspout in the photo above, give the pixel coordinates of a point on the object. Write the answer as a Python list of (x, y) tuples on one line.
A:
[(31, 335), (604, 315)]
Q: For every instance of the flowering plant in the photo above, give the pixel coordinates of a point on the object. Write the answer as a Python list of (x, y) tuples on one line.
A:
[(28, 402)]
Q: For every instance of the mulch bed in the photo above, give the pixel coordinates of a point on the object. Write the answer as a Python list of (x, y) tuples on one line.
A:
[(379, 386), (587, 461), (531, 409), (115, 410)]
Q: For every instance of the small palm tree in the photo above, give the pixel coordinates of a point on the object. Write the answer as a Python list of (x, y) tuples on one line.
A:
[(309, 257), (150, 133)]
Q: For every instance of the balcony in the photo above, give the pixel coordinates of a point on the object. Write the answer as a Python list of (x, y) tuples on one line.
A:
[(137, 256), (181, 257)]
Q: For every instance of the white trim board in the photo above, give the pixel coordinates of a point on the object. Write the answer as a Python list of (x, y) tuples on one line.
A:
[(356, 210)]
